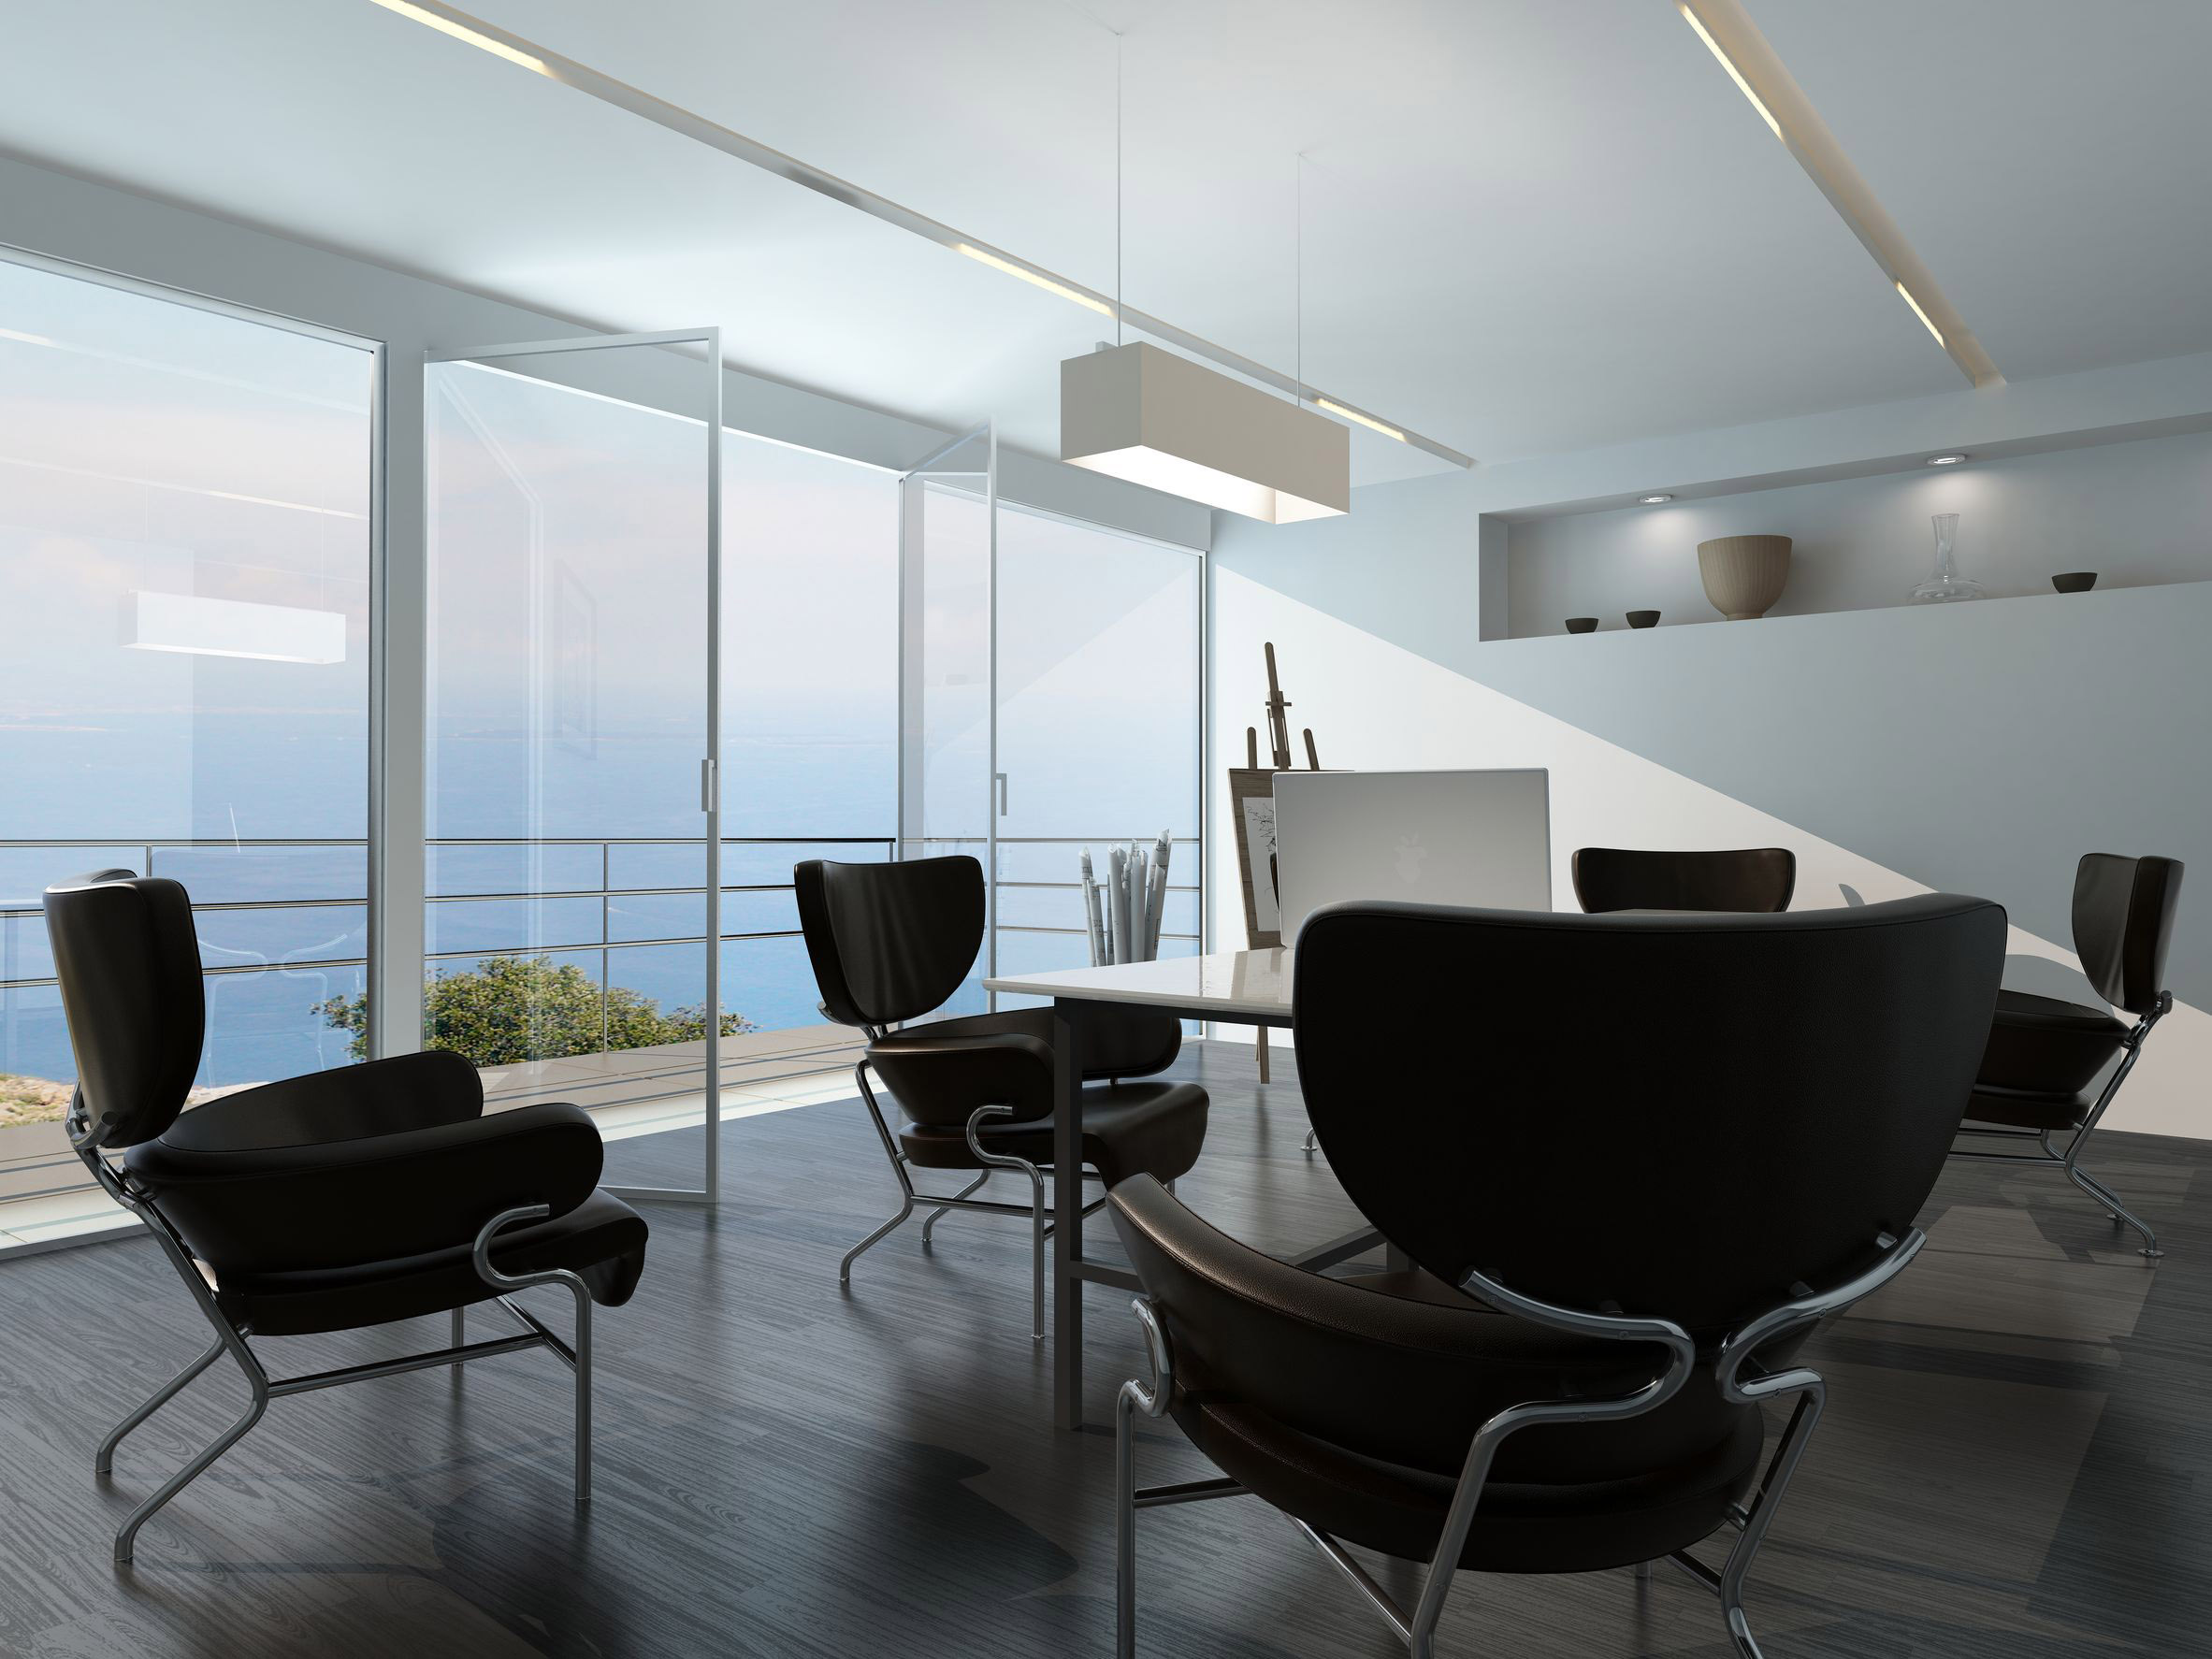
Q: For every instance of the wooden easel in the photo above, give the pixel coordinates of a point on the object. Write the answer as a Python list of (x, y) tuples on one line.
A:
[(1253, 781)]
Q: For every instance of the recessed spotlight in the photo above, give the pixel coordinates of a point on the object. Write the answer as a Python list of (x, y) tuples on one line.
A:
[(1651, 501), (1950, 460)]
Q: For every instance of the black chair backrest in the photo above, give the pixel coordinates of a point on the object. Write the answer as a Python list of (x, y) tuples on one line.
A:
[(1677, 1116), (128, 962), (2123, 921), (890, 942), (1627, 879)]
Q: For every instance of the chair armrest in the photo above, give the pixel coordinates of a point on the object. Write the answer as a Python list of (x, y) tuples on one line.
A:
[(375, 1198), (381, 1097)]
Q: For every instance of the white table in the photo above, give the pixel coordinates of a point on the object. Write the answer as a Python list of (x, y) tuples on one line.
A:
[(1241, 986)]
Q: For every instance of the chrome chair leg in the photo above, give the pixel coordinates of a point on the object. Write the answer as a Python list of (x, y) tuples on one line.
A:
[(126, 1534), (1036, 1211), (1312, 1142), (578, 1357), (890, 1150), (845, 1268), (1151, 1399), (104, 1459), (2121, 1215), (929, 1222)]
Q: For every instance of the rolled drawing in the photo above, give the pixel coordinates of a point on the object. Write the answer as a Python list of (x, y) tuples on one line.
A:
[(1156, 895), (1093, 925), (1136, 904), (1119, 887), (1138, 880)]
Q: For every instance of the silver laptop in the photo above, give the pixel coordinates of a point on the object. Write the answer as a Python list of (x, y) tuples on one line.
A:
[(1470, 838)]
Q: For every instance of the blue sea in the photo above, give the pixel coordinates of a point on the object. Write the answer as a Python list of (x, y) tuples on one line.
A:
[(296, 779), (790, 791)]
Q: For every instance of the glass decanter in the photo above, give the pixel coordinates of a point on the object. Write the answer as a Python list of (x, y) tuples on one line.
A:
[(1945, 584)]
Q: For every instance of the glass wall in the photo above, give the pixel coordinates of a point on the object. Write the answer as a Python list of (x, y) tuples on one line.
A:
[(186, 571), (565, 924), (566, 915), (810, 720)]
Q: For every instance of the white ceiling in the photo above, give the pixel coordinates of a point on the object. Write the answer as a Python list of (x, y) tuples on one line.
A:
[(1530, 227)]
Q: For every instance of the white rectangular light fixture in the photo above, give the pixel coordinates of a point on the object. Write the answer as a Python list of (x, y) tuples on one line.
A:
[(1154, 418), (197, 626)]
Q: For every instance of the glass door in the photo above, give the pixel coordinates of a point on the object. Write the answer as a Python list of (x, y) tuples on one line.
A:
[(1098, 686), (573, 802), (949, 782)]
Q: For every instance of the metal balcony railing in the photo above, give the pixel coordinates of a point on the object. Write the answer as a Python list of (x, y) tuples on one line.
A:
[(653, 1072)]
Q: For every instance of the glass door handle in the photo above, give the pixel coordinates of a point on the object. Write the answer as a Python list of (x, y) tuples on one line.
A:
[(1001, 783)]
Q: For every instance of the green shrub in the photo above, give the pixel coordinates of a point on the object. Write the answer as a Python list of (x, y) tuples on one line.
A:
[(511, 1009)]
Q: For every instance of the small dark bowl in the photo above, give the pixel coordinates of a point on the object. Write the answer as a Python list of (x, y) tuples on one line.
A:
[(2074, 581), (1582, 625), (1643, 618)]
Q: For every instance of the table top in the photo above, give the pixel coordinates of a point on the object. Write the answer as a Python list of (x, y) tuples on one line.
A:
[(1253, 985)]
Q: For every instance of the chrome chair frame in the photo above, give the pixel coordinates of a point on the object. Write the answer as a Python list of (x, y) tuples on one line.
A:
[(1739, 1380), (2069, 1160), (231, 1338), (1040, 1228)]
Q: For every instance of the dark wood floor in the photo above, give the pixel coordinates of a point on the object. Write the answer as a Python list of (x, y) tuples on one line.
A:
[(2017, 1462)]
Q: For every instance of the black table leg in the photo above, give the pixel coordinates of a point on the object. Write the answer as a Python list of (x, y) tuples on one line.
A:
[(1067, 1220)]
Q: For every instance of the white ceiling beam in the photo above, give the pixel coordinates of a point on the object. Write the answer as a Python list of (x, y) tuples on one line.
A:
[(1728, 30)]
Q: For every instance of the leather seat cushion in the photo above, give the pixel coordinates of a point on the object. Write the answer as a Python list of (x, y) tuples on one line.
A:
[(1153, 1129), (602, 1240), (1521, 1525), (2020, 1108), (2045, 1047), (942, 1071)]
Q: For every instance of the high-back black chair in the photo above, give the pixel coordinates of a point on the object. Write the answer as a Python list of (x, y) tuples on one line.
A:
[(1629, 878), (2045, 1053), (890, 944), (1811, 1069), (324, 1202)]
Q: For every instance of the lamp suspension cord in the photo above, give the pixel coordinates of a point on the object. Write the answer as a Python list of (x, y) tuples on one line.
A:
[(1298, 274), (1117, 187)]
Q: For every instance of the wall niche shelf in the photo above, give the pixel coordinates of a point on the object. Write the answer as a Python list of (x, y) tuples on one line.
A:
[(2137, 513), (1618, 623)]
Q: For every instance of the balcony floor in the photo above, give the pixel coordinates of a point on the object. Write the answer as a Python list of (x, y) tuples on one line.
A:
[(2014, 1463)]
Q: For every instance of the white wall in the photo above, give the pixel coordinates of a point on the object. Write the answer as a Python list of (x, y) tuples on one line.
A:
[(2137, 513), (1375, 705)]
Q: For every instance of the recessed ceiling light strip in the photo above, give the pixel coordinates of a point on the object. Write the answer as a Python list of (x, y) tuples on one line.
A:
[(673, 118), (1728, 31)]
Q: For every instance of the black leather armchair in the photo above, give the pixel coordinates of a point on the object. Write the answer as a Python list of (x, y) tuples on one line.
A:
[(889, 942), (1757, 878), (1571, 1377), (323, 1202), (2045, 1053)]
